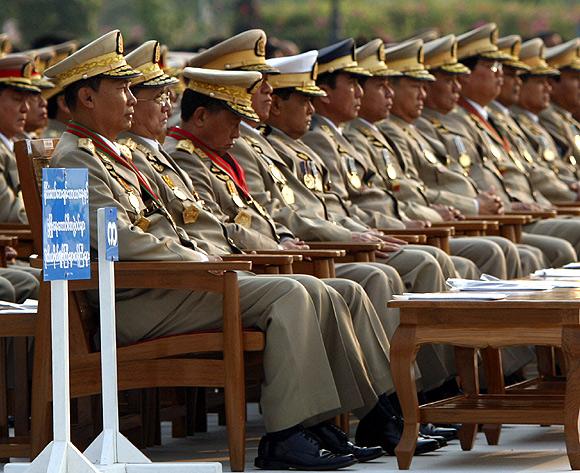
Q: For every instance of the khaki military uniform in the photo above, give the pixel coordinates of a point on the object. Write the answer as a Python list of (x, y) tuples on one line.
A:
[(565, 131), (306, 323), (545, 146), (11, 203), (486, 160), (419, 271), (54, 129)]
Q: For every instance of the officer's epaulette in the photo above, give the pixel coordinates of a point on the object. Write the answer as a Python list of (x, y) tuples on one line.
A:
[(365, 131), (326, 129), (129, 143), (219, 173), (264, 129), (185, 145), (125, 152), (302, 156), (87, 145)]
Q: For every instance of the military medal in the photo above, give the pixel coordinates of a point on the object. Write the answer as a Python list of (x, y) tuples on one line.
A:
[(572, 160), (288, 195), (495, 151), (244, 219), (549, 155), (276, 173), (190, 214), (465, 161), (309, 181), (134, 201), (430, 156), (577, 141), (517, 162), (181, 195), (354, 180), (234, 193), (391, 172)]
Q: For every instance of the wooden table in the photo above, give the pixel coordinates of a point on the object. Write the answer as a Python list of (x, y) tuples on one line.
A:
[(544, 319)]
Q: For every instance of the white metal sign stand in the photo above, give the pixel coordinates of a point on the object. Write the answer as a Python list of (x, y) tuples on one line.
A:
[(65, 256)]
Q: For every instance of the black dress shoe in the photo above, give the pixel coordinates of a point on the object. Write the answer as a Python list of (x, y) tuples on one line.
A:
[(388, 434), (334, 439), (440, 440), (448, 433), (299, 451)]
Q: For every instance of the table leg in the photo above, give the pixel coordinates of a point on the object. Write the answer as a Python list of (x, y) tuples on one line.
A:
[(403, 354), (466, 363), (571, 349), (495, 385)]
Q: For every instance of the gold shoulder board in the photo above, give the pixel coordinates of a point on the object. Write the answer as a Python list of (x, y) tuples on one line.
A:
[(87, 145), (185, 145)]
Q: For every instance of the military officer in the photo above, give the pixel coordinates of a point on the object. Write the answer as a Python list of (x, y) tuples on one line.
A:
[(296, 317), (564, 97), (488, 151), (535, 98), (419, 171), (15, 90)]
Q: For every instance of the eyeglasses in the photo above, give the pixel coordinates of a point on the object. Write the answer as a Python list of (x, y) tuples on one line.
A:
[(494, 66), (163, 99)]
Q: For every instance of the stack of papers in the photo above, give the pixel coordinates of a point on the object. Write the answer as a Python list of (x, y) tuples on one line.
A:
[(558, 273), (572, 266), (451, 296), (498, 285), (29, 306)]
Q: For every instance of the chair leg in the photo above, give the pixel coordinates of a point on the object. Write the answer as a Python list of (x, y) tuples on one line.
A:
[(495, 385), (4, 434)]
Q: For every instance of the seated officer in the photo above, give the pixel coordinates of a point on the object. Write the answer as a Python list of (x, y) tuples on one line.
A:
[(15, 91), (200, 147), (191, 213), (304, 322), (245, 51), (564, 98), (493, 256), (487, 149), (300, 325), (534, 99)]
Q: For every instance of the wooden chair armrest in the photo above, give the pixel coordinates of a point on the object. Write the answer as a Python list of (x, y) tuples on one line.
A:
[(347, 246), (566, 203), (507, 219), (568, 211), (465, 225), (443, 231), (417, 239), (264, 259), (539, 214), (14, 227), (8, 241), (306, 254)]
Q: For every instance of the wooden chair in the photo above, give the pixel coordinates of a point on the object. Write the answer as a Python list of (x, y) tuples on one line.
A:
[(165, 362)]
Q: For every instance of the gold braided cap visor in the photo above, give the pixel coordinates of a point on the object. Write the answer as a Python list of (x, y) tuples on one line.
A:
[(539, 67), (246, 60), (412, 68), (152, 76), (110, 65), (301, 82), (377, 67), (20, 83), (570, 60), (344, 63), (238, 99), (446, 62)]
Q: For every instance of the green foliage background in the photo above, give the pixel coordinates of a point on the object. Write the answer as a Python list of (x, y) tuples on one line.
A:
[(184, 23)]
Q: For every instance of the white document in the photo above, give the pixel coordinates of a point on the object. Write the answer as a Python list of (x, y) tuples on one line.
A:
[(29, 306), (572, 265), (450, 296), (558, 273), (498, 285)]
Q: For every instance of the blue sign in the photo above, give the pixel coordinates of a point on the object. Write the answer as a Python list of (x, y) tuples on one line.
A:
[(112, 240), (66, 241)]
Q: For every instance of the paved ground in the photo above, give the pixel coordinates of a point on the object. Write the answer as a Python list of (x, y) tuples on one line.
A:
[(521, 449)]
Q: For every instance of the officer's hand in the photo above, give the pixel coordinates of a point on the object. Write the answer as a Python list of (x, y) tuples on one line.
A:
[(214, 258), (489, 203), (365, 237), (391, 240), (417, 224), (293, 244), (10, 254), (523, 206)]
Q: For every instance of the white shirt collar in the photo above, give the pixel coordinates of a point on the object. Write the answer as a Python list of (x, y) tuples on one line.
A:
[(502, 108), (369, 124), (112, 144), (532, 116), (481, 110), (249, 128), (331, 124), (9, 143), (153, 144)]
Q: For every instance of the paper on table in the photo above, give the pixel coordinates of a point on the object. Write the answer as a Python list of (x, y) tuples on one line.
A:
[(572, 265), (558, 273), (29, 306), (498, 285), (450, 296)]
